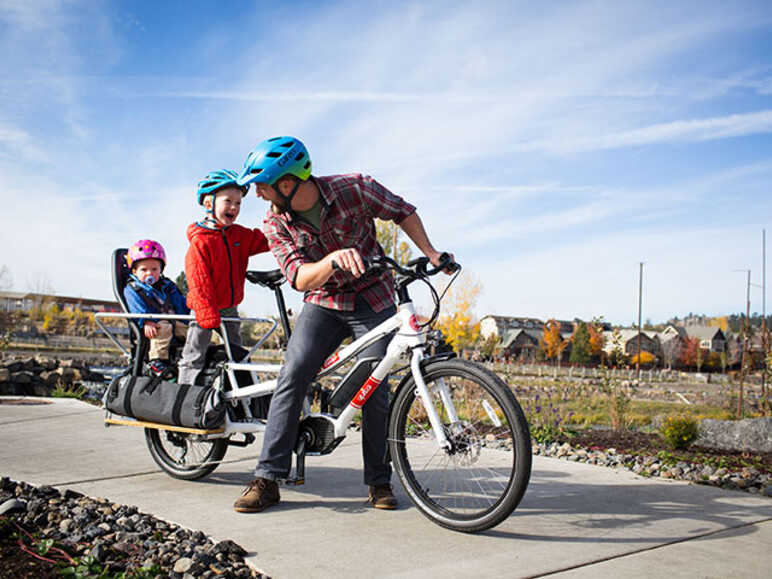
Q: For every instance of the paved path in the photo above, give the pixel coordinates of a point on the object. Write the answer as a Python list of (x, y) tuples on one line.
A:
[(576, 520)]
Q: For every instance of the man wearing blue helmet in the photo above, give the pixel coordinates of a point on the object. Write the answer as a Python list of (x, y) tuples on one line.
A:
[(320, 229)]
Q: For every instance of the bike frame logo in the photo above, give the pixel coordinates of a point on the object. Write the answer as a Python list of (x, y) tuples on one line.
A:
[(414, 323), (364, 392), (332, 360)]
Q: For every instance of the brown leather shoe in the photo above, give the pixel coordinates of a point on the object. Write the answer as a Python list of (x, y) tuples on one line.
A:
[(381, 497), (260, 494)]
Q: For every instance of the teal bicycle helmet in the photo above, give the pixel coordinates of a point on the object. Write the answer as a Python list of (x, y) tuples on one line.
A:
[(274, 158), (216, 180)]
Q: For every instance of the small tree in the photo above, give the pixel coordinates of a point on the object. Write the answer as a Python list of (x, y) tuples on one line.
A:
[(182, 283), (456, 322), (552, 343), (389, 236), (597, 341), (488, 346), (688, 357), (581, 350), (617, 357)]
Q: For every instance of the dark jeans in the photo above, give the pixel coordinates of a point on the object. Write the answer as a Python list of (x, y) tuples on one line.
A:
[(318, 333)]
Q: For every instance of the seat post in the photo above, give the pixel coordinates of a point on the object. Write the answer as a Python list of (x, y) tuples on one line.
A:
[(282, 311)]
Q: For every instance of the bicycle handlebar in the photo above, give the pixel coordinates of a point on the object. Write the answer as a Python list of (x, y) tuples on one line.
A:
[(415, 268)]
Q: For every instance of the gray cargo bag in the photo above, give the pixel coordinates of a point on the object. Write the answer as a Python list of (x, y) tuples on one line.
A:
[(155, 400)]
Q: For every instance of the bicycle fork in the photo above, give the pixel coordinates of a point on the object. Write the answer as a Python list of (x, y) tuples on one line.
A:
[(426, 398)]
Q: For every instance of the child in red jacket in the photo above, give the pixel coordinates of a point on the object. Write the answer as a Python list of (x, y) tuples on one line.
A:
[(215, 267)]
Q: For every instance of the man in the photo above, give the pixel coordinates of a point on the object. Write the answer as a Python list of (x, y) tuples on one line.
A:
[(320, 229)]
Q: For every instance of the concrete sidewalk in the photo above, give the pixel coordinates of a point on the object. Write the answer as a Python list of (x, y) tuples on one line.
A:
[(576, 520)]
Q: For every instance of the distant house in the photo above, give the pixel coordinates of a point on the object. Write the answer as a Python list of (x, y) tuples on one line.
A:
[(671, 342), (711, 338), (25, 301), (520, 343), (629, 342), (500, 325)]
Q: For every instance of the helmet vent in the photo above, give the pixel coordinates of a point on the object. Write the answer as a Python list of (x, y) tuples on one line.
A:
[(274, 139), (307, 165), (273, 154), (287, 144), (299, 156), (256, 171)]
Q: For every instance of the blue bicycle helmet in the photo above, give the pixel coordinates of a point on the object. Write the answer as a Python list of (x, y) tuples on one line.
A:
[(216, 180), (274, 158)]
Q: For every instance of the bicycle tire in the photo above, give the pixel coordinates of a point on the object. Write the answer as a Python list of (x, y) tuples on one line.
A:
[(195, 459), (480, 480)]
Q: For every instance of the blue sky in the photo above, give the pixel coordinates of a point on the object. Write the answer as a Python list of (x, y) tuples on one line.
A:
[(551, 147)]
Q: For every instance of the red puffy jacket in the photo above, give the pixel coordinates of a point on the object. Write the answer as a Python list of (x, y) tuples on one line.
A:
[(215, 267)]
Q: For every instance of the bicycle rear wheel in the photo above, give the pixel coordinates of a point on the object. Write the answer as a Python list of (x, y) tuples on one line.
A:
[(185, 456), (477, 482)]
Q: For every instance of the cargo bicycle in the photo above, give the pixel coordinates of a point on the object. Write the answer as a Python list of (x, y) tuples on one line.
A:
[(457, 436)]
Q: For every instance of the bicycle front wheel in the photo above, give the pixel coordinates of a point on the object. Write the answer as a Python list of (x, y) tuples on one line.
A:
[(479, 480)]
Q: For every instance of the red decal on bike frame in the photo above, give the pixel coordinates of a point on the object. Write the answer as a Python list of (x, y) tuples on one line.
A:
[(364, 392), (330, 361), (414, 322)]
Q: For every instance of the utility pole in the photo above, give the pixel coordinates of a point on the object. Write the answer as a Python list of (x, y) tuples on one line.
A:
[(744, 360), (640, 301), (764, 335)]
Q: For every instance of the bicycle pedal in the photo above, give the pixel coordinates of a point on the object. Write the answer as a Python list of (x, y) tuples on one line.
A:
[(294, 481)]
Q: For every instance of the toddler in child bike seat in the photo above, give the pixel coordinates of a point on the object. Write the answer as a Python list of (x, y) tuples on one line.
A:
[(216, 267), (148, 291)]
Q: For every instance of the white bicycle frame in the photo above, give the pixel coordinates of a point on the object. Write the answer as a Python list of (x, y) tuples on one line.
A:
[(408, 336)]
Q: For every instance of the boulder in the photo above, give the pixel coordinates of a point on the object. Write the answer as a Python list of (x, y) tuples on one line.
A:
[(15, 367), (23, 377), (5, 375), (49, 377), (751, 434)]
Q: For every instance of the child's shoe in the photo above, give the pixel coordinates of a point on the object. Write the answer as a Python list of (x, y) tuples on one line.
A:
[(158, 367)]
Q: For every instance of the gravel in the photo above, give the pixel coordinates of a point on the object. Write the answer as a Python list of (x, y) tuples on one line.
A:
[(746, 479), (118, 536)]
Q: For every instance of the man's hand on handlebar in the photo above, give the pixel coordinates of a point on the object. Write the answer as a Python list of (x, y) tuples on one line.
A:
[(348, 260), (446, 261)]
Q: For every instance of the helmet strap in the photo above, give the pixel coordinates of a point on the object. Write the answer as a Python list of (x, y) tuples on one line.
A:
[(288, 198)]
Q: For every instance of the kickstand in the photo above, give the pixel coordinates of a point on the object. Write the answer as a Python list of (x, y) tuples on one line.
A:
[(300, 462)]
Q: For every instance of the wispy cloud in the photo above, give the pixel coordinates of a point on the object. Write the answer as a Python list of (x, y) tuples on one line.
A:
[(691, 130)]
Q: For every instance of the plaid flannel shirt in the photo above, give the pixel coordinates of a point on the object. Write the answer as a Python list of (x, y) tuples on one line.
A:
[(349, 205)]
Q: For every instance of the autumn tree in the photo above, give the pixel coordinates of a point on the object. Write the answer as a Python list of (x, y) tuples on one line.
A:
[(596, 340), (580, 345), (722, 322), (389, 235), (552, 343), (690, 352), (182, 283), (456, 321)]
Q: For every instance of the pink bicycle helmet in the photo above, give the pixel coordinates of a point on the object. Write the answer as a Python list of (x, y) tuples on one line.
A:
[(146, 249)]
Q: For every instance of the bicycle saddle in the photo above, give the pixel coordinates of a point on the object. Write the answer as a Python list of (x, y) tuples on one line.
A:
[(270, 279)]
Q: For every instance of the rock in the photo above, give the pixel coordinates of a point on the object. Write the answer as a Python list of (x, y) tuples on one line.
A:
[(183, 565), (751, 434), (13, 506), (99, 552), (4, 375), (23, 377), (49, 377), (767, 492)]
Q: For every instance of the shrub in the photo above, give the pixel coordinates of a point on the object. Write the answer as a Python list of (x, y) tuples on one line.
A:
[(647, 359), (679, 431)]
